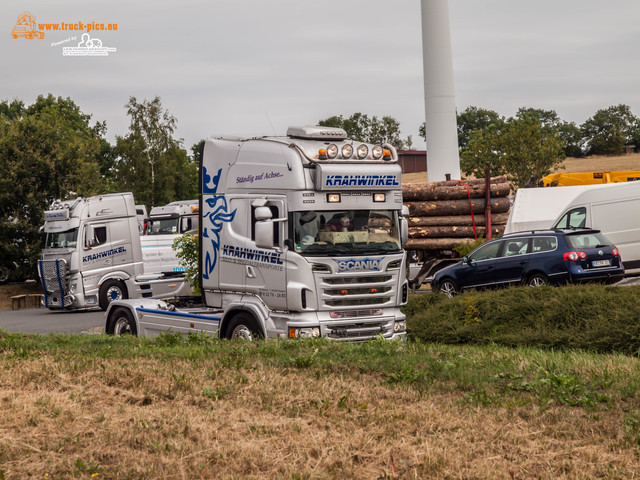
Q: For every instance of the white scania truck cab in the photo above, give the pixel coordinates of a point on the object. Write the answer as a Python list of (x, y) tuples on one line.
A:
[(92, 255), (166, 223), (300, 236)]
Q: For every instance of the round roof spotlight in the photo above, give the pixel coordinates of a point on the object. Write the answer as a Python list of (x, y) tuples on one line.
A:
[(377, 152), (347, 151), (362, 151), (332, 151)]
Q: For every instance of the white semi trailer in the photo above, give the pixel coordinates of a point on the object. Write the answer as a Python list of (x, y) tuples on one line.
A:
[(165, 224), (92, 255), (300, 236)]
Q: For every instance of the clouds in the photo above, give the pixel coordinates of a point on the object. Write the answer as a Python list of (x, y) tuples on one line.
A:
[(245, 66)]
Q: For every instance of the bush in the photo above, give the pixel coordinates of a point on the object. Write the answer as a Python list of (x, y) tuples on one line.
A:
[(596, 318)]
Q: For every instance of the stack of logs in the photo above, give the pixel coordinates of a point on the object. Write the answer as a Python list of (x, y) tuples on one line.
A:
[(440, 212)]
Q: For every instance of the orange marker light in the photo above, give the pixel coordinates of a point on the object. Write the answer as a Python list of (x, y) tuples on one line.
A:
[(386, 154), (292, 333), (322, 154), (344, 292)]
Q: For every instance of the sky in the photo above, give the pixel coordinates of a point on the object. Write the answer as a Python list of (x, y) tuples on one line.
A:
[(257, 67)]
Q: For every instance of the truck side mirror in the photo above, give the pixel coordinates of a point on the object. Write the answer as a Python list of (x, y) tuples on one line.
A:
[(89, 236), (404, 231), (263, 213), (264, 232)]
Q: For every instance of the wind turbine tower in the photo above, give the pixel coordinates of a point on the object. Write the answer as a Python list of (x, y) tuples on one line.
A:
[(439, 99)]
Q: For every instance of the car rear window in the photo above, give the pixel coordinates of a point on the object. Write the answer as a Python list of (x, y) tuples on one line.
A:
[(587, 240), (544, 244)]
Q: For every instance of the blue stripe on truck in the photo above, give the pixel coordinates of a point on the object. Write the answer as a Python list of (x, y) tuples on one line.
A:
[(178, 314)]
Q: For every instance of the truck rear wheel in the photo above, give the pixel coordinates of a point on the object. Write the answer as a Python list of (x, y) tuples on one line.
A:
[(244, 327), (121, 322), (111, 290)]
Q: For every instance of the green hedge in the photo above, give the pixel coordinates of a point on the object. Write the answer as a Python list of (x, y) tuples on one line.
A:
[(596, 318)]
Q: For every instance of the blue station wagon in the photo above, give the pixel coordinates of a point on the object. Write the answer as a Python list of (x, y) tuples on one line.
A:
[(534, 258)]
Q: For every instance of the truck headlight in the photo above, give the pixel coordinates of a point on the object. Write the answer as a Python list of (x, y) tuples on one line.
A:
[(400, 326), (304, 332)]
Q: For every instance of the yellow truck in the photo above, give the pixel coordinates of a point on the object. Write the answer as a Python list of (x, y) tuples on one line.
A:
[(567, 179)]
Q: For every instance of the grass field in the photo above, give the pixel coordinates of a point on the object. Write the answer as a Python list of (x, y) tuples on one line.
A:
[(97, 406), (593, 163)]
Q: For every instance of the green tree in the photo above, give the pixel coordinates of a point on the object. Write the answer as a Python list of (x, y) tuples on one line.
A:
[(371, 130), (607, 132), (569, 132), (475, 118), (483, 151), (150, 162), (530, 151), (186, 248), (523, 149), (48, 151)]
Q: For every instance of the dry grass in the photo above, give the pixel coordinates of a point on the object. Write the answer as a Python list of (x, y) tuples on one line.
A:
[(588, 164), (242, 415)]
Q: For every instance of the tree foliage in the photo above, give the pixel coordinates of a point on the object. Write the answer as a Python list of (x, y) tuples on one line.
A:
[(187, 247), (523, 148), (607, 132), (151, 163), (48, 151), (363, 128)]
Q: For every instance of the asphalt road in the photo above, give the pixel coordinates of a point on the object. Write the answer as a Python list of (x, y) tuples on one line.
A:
[(43, 320)]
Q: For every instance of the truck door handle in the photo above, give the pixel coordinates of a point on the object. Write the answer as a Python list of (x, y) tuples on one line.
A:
[(251, 273)]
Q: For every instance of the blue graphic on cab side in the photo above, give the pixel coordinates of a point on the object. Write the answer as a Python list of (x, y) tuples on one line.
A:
[(217, 215)]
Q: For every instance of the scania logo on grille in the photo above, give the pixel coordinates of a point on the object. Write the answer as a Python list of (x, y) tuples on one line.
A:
[(358, 264)]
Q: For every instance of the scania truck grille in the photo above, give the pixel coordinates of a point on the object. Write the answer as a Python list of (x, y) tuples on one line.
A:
[(344, 291), (53, 274)]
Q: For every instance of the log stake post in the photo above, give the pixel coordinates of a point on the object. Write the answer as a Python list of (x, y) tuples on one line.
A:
[(487, 204)]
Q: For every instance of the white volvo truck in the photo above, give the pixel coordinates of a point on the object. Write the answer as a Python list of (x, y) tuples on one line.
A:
[(300, 236), (92, 255)]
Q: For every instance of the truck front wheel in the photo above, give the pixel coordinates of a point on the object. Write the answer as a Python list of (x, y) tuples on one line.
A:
[(244, 327), (121, 322), (111, 290)]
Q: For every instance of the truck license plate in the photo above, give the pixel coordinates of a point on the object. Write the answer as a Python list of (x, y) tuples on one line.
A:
[(600, 263)]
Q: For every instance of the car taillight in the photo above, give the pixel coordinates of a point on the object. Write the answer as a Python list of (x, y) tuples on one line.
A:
[(574, 256), (615, 252)]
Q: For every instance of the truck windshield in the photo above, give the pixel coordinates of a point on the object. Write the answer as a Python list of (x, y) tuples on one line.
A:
[(163, 226), (66, 239), (348, 232)]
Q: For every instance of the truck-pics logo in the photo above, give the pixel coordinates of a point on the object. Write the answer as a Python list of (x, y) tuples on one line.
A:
[(362, 181), (26, 27), (107, 253), (358, 264)]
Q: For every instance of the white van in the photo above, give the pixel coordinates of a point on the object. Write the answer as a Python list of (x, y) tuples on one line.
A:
[(613, 208)]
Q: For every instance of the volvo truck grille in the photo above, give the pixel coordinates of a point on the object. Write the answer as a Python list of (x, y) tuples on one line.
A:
[(53, 274)]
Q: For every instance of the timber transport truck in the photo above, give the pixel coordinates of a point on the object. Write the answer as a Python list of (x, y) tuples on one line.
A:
[(166, 223), (300, 236), (92, 255)]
